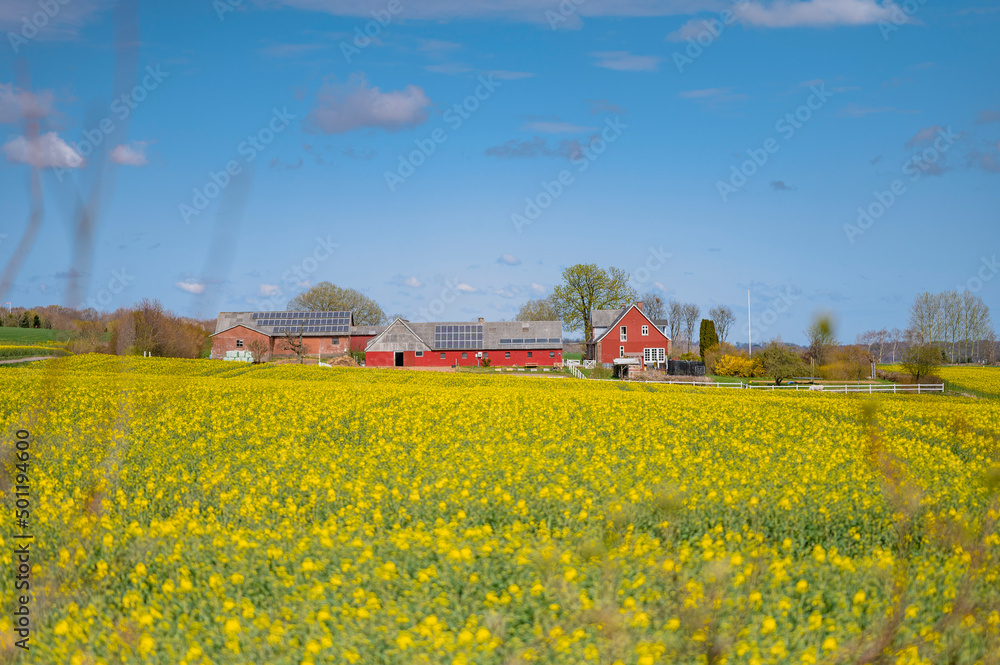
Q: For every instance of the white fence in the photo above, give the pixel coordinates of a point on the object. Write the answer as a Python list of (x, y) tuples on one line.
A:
[(869, 388)]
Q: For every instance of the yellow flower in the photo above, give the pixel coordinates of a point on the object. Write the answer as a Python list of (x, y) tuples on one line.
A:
[(768, 626), (801, 586), (232, 627)]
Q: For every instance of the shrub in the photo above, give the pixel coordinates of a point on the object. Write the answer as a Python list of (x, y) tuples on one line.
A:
[(735, 366)]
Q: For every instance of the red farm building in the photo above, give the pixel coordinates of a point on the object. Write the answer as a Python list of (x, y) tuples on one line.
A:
[(506, 343), (627, 333), (323, 334)]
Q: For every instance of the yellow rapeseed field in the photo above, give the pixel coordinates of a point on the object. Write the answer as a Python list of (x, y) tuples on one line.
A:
[(201, 512), (982, 380)]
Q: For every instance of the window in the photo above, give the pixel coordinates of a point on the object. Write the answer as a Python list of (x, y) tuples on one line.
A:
[(465, 356), (651, 356), (239, 344), (442, 356), (506, 354), (621, 351), (530, 355), (552, 354), (624, 334), (645, 331), (335, 341), (420, 354)]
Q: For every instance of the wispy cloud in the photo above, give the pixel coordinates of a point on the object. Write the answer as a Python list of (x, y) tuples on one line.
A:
[(859, 111), (781, 186), (130, 155), (191, 286), (713, 96), (413, 282), (814, 13), (509, 259), (598, 106), (536, 147), (466, 288), (16, 104), (267, 290), (342, 108), (623, 61), (988, 115), (556, 127)]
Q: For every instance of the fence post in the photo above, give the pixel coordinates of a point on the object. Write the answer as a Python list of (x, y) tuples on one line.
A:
[(918, 388)]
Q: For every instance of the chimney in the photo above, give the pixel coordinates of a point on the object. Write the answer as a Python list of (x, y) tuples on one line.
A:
[(481, 319), (639, 305)]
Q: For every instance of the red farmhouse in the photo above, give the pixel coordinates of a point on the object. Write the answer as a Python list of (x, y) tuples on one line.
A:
[(627, 333), (505, 343)]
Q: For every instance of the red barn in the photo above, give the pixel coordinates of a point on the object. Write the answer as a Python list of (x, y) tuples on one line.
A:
[(323, 333), (505, 343), (627, 333)]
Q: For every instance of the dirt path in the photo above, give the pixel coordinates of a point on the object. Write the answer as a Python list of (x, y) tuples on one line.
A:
[(23, 360)]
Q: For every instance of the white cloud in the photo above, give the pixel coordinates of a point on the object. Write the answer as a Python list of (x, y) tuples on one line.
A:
[(509, 259), (355, 105), (64, 23), (465, 288), (537, 288), (413, 282), (266, 289), (191, 286), (623, 61), (815, 13), (130, 155), (44, 152), (16, 104)]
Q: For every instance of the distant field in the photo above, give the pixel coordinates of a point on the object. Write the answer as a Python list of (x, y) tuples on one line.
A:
[(982, 381), (29, 336)]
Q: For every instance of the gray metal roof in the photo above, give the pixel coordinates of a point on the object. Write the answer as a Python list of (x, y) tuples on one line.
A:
[(367, 330), (312, 324), (489, 335), (603, 318)]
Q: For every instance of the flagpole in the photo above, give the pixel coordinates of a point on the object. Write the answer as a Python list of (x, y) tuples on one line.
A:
[(749, 326)]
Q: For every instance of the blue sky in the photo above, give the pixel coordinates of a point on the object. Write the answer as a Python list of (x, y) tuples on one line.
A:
[(452, 166)]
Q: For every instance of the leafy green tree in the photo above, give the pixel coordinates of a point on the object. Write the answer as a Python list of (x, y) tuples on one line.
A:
[(920, 359), (706, 337), (585, 287), (542, 309), (25, 321), (328, 297), (36, 322), (780, 362)]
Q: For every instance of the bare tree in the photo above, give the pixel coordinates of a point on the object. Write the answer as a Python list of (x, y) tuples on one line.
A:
[(925, 323), (653, 305), (724, 319), (875, 342), (260, 349), (295, 345), (895, 337), (691, 316), (675, 319)]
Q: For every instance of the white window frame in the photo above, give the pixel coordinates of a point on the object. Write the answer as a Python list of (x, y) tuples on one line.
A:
[(645, 331), (621, 351), (654, 355), (623, 334), (420, 354)]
